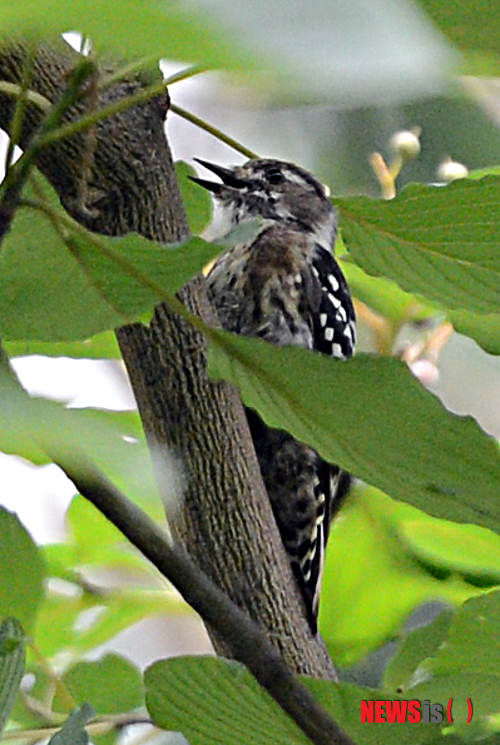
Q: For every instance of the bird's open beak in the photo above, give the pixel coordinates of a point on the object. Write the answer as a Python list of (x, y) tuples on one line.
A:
[(225, 174)]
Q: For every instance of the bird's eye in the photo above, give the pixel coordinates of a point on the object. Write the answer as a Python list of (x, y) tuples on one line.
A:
[(275, 176)]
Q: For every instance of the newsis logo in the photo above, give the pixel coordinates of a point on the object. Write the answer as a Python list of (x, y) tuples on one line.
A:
[(413, 711)]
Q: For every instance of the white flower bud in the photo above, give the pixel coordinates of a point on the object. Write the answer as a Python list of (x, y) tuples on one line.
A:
[(449, 170), (406, 144)]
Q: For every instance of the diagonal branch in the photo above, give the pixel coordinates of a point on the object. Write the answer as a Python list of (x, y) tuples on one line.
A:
[(242, 636)]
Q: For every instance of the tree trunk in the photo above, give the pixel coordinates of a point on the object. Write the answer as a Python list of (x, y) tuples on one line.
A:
[(119, 178)]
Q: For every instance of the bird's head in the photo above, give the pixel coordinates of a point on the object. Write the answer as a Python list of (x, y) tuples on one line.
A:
[(272, 190)]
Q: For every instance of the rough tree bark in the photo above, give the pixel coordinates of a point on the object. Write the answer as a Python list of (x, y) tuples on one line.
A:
[(120, 178)]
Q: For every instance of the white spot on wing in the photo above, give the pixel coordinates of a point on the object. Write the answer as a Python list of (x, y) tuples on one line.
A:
[(334, 300), (337, 350), (334, 283), (341, 314), (322, 319), (329, 334)]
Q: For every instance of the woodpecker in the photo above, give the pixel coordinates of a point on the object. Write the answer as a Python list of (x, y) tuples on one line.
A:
[(282, 284)]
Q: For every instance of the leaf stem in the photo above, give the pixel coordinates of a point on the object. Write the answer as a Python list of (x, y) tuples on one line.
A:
[(196, 120), (100, 726), (20, 107), (13, 89), (16, 176)]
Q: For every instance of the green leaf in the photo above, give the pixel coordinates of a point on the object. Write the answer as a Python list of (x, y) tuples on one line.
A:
[(94, 541), (60, 290), (59, 628), (473, 642), (468, 549), (22, 714), (439, 242), (97, 540), (473, 26), (130, 28), (357, 615), (484, 329), (211, 700), (468, 664), (215, 701), (21, 572), (415, 647), (373, 418), (121, 610), (12, 654), (72, 731), (197, 201), (40, 427), (100, 346), (385, 297), (112, 684)]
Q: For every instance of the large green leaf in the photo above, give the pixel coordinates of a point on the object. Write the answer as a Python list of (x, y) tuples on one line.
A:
[(215, 701), (440, 242), (59, 290), (129, 27), (21, 572), (372, 417), (384, 296)]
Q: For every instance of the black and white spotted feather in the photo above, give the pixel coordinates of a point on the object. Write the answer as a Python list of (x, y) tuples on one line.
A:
[(284, 285)]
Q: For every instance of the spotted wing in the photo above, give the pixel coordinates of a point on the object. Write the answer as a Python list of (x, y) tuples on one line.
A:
[(334, 320)]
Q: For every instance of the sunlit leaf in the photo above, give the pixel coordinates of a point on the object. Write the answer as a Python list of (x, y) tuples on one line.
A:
[(367, 557), (484, 329), (468, 665)]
